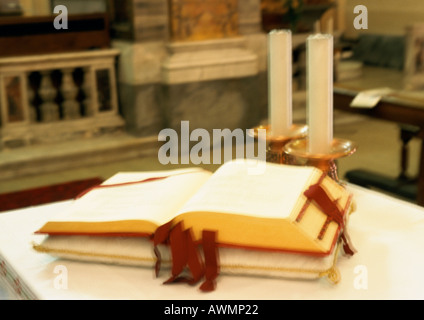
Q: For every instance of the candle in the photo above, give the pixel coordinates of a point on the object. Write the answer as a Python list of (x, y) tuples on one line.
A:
[(320, 92), (280, 82)]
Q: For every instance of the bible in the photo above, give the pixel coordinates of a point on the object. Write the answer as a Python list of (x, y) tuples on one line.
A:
[(275, 219)]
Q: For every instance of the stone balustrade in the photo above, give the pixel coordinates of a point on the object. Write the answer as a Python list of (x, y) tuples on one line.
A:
[(55, 97)]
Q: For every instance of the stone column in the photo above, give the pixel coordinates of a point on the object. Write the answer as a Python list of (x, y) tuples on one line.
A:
[(49, 108), (71, 107), (140, 66), (250, 20)]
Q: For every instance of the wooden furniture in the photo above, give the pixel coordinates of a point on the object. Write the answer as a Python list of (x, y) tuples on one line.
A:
[(400, 107), (21, 35)]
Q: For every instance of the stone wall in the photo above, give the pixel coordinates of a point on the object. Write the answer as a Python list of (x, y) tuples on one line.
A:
[(213, 83)]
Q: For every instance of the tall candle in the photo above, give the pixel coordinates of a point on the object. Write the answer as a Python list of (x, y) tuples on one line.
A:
[(280, 81), (320, 92)]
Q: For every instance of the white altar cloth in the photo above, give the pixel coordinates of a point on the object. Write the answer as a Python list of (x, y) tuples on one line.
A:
[(388, 234)]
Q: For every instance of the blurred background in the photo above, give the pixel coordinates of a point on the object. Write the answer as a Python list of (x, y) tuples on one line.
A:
[(87, 101)]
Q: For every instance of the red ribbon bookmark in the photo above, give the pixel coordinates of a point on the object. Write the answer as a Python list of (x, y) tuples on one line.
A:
[(185, 255), (319, 196)]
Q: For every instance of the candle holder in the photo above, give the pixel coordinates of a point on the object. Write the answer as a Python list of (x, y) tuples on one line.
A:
[(275, 144), (299, 155)]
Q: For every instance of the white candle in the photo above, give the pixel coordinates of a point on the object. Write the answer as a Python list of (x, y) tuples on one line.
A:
[(320, 92), (280, 81)]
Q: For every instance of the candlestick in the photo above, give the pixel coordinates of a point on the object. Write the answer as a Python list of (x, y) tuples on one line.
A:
[(275, 144), (280, 81), (298, 152), (320, 92)]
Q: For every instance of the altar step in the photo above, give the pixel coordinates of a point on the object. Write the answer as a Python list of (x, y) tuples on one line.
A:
[(53, 157)]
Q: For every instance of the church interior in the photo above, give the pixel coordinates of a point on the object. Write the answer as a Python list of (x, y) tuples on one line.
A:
[(152, 61), (86, 86)]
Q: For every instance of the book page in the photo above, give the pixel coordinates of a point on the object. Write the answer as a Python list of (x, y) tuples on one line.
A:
[(272, 194), (155, 201)]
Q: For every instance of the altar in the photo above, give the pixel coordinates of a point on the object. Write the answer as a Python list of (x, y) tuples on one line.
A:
[(387, 233)]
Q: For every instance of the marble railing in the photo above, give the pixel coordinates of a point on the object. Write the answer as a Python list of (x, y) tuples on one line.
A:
[(58, 96)]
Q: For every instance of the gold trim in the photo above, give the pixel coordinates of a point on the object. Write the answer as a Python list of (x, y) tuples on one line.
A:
[(41, 249), (332, 274), (294, 270)]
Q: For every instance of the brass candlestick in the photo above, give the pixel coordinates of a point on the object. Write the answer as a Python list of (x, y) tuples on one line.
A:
[(298, 153), (275, 144)]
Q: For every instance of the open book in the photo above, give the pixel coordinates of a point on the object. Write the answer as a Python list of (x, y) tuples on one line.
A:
[(284, 209)]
